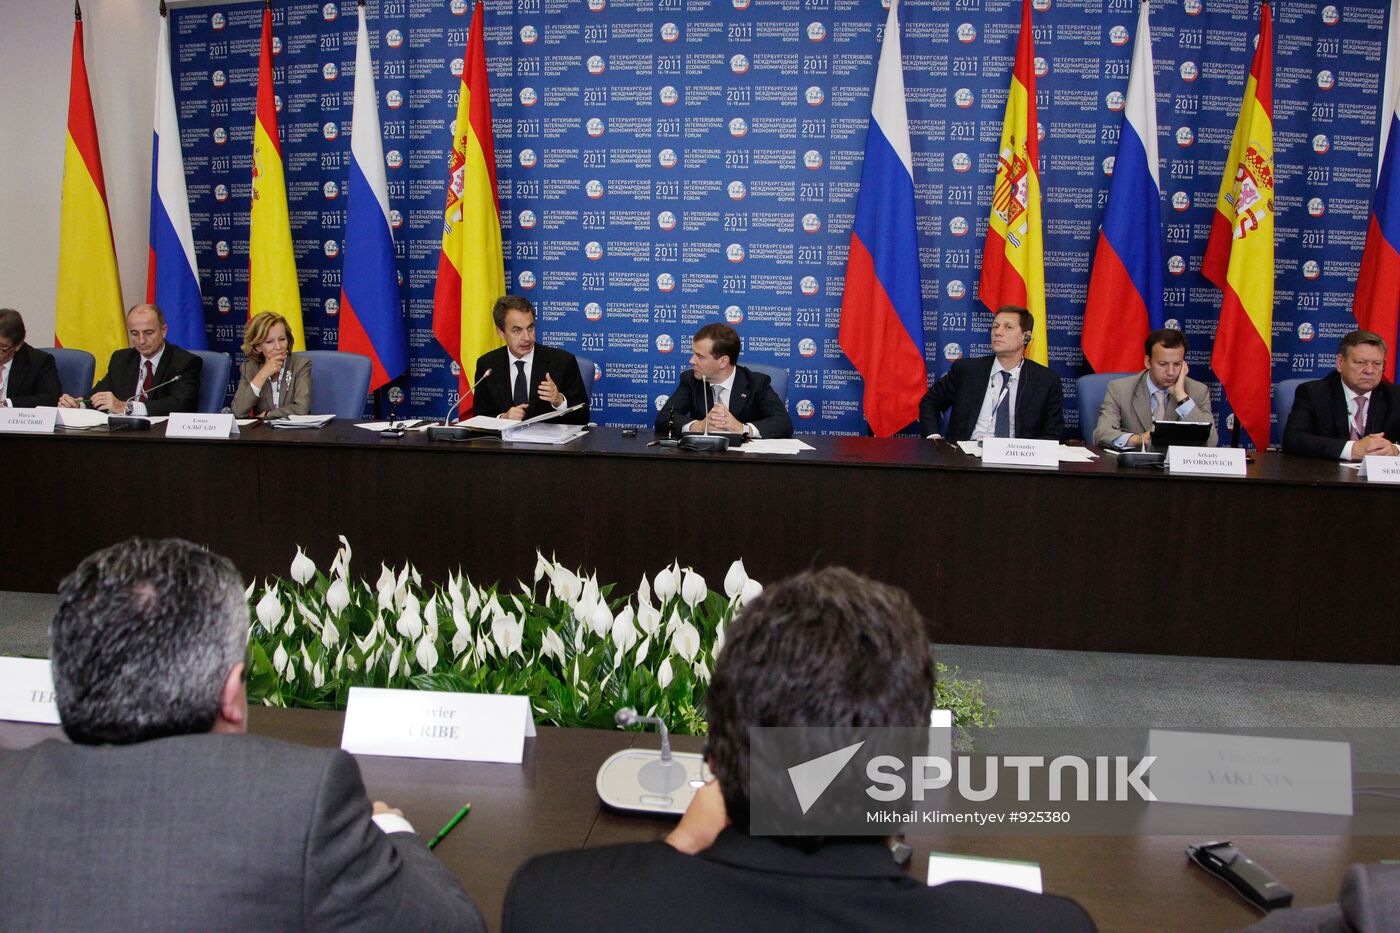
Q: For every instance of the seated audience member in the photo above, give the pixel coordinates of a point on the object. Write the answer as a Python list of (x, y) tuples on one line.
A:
[(1161, 392), (1350, 413), (28, 377), (138, 379), (526, 379), (1002, 395), (801, 654), (274, 383), (739, 400), (162, 814)]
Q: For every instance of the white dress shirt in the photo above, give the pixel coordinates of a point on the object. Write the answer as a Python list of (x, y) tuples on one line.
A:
[(1351, 398), (723, 392), (529, 360), (139, 408), (5, 383), (986, 419)]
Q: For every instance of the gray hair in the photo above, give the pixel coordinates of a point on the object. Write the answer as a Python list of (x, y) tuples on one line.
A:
[(143, 639)]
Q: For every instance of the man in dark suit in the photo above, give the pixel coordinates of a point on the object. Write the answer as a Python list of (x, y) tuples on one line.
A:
[(790, 659), (135, 383), (737, 400), (1002, 395), (1352, 412), (161, 814), (28, 377), (525, 379)]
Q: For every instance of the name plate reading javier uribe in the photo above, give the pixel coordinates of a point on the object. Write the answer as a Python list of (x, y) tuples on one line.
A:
[(1208, 461), (1016, 451), (26, 691), (193, 424), (28, 420), (429, 724)]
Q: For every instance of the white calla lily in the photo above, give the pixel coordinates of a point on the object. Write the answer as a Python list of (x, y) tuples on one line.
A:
[(330, 635), (337, 596), (551, 645), (685, 640), (719, 641), (751, 590), (735, 579), (279, 658), (702, 671), (318, 674), (426, 654), (665, 584), (394, 658), (410, 623), (664, 674), (693, 588), (624, 633), (648, 618), (642, 652), (461, 639), (430, 618), (601, 619), (644, 593), (269, 609), (303, 569), (541, 566)]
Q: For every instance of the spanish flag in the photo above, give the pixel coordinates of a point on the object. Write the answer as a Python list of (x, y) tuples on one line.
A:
[(1240, 253), (1013, 261), (272, 266), (471, 269), (89, 313)]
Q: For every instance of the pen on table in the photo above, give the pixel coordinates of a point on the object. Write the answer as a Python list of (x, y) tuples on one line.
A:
[(442, 833)]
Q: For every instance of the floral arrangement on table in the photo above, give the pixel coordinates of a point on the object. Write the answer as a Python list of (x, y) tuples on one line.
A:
[(577, 649)]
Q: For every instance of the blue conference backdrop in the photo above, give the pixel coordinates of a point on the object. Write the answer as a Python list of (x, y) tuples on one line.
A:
[(666, 163)]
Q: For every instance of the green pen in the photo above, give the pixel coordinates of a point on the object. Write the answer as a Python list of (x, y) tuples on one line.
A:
[(442, 833)]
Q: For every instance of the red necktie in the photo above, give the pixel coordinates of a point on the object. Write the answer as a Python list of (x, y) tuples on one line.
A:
[(149, 381)]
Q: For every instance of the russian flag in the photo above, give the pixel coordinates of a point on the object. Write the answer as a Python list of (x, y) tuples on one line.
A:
[(172, 277), (882, 312), (1377, 301), (1125, 286), (371, 315)]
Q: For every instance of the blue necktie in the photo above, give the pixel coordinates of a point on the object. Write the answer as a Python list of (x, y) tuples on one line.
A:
[(1003, 412)]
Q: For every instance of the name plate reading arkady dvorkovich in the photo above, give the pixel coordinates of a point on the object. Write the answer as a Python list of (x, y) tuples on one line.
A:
[(1207, 461), (194, 424), (1252, 772), (1381, 469), (1017, 451), (431, 724), (26, 691), (28, 420)]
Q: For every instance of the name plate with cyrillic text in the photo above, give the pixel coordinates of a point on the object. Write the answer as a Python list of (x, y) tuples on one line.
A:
[(1207, 461), (28, 420), (1253, 772), (194, 424), (1381, 469), (1016, 451), (430, 724), (26, 691)]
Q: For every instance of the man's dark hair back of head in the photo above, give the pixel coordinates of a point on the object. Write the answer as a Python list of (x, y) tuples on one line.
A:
[(824, 648), (724, 339), (143, 639), (1359, 338), (508, 303), (1168, 338), (11, 325)]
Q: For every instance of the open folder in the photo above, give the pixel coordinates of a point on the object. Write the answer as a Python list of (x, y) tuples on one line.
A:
[(530, 431)]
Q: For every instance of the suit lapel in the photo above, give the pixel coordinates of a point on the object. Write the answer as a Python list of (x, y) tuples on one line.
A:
[(1341, 421), (739, 392), (1142, 404), (1378, 411), (972, 396)]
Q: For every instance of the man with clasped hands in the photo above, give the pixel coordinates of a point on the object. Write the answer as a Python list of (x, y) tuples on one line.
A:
[(1350, 413), (162, 813)]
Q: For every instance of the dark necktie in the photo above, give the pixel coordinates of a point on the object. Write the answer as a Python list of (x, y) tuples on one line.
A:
[(1003, 413), (149, 381), (521, 394)]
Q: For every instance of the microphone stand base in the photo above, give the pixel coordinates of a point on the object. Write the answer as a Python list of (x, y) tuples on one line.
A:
[(713, 442), (445, 432)]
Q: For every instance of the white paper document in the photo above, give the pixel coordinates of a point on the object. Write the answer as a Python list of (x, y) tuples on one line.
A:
[(763, 445), (943, 868), (549, 433), (302, 421), (407, 424), (81, 417)]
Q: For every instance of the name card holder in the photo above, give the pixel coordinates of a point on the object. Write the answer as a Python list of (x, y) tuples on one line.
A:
[(28, 420), (431, 724), (1021, 452), (1206, 461), (1251, 772), (26, 691), (1381, 469), (195, 424)]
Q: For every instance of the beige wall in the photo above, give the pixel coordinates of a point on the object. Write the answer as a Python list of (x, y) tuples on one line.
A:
[(36, 41)]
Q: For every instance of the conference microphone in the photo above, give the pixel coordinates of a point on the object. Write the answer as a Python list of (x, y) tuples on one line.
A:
[(641, 780), (125, 422), (705, 440), (447, 431)]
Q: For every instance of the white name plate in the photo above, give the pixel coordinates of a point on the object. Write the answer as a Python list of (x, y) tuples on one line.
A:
[(1381, 469), (28, 420), (1016, 451), (1209, 461), (26, 691), (194, 424), (943, 867), (1253, 772), (429, 724)]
